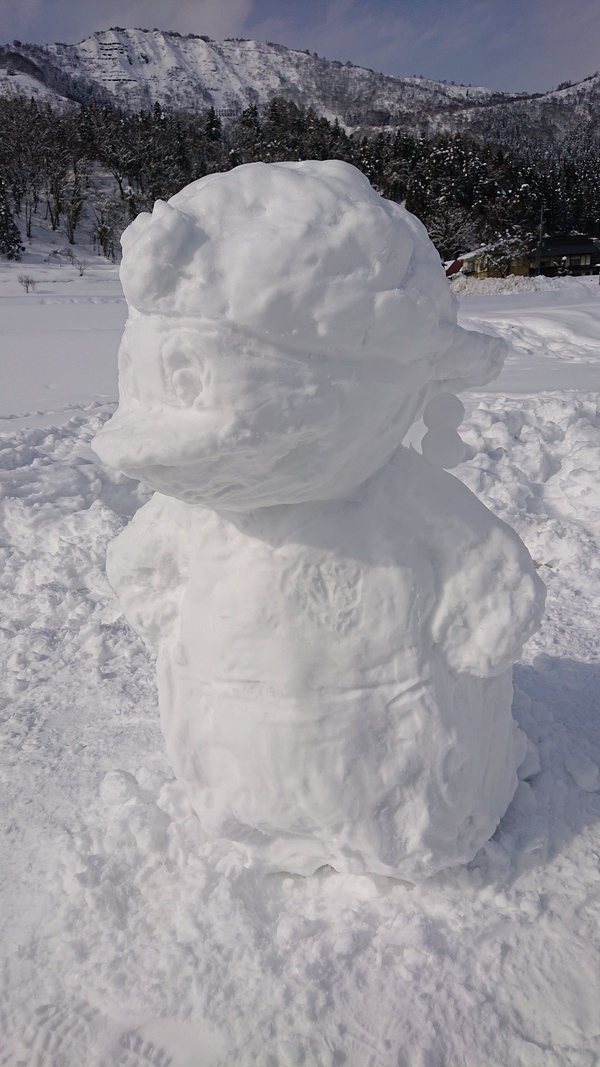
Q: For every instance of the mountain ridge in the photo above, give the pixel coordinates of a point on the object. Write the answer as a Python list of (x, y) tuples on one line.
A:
[(137, 68)]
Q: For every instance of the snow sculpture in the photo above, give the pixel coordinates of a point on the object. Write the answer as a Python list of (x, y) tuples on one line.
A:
[(335, 617)]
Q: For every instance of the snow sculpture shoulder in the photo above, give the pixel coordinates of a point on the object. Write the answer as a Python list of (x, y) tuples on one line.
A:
[(335, 617)]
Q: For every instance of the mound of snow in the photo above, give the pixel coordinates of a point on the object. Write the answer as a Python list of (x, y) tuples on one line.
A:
[(335, 618), (465, 286)]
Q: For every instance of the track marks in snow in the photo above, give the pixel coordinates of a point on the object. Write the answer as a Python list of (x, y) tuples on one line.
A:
[(535, 461), (134, 1051), (59, 1036)]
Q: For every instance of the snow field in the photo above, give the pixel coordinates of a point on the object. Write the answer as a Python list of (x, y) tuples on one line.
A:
[(116, 913), (72, 321), (128, 941)]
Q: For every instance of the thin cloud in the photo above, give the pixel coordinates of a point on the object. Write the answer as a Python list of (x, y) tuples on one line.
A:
[(506, 44), (44, 21)]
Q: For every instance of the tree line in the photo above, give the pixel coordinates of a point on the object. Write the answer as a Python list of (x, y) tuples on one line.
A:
[(105, 165)]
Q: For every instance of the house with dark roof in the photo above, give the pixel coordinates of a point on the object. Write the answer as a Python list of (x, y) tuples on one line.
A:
[(575, 255)]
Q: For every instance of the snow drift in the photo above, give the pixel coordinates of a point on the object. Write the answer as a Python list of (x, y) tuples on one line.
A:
[(335, 617)]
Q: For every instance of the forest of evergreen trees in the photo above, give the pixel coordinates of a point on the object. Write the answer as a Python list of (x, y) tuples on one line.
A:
[(99, 163)]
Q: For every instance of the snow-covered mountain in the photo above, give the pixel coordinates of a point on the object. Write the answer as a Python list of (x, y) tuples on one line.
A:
[(567, 113), (21, 83), (137, 67)]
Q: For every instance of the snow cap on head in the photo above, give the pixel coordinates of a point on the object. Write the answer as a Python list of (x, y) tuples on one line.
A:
[(306, 256)]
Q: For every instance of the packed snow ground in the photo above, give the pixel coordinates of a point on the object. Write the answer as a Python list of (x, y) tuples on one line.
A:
[(126, 940)]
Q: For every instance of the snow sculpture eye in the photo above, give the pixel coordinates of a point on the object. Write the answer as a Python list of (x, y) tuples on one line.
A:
[(187, 384)]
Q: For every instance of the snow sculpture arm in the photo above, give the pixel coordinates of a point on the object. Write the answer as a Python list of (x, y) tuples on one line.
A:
[(489, 597)]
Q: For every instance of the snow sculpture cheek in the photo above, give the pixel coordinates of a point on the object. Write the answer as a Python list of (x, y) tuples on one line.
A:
[(335, 618), (185, 370)]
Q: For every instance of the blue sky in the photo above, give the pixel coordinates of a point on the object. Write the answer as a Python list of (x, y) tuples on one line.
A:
[(505, 44)]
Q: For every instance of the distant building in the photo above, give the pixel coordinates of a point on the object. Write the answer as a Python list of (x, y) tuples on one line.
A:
[(557, 255), (454, 267), (575, 255), (480, 264)]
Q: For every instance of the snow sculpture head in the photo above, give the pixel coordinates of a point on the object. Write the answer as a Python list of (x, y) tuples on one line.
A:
[(287, 326)]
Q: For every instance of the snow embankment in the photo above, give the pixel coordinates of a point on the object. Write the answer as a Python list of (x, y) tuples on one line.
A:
[(462, 285)]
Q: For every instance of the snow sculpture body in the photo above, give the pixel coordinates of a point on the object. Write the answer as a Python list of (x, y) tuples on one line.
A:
[(335, 617)]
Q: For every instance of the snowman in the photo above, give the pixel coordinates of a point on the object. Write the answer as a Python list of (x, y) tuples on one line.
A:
[(335, 616)]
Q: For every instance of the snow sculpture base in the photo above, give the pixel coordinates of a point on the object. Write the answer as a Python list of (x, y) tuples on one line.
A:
[(335, 618)]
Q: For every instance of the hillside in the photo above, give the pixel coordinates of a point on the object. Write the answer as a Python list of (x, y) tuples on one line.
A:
[(136, 68), (572, 111)]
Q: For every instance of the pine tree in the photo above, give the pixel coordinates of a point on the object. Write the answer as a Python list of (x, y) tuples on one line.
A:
[(213, 125), (10, 237)]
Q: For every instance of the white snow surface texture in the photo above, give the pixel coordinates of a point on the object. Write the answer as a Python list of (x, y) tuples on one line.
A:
[(335, 618), (129, 940)]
